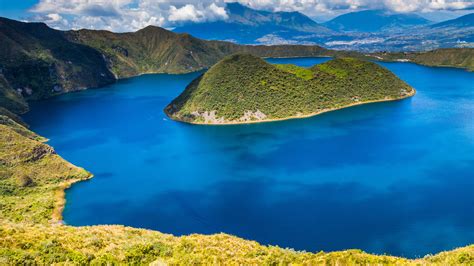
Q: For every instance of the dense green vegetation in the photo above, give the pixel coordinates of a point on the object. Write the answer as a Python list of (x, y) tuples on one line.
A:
[(32, 183), (245, 88), (448, 57)]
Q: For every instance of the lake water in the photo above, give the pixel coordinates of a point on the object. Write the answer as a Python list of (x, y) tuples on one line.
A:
[(395, 178)]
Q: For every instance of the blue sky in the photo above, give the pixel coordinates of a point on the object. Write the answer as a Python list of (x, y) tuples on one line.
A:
[(129, 15), (15, 9)]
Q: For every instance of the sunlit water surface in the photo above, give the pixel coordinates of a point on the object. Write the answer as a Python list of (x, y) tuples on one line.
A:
[(395, 177)]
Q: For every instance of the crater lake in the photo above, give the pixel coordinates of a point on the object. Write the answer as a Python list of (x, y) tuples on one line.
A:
[(394, 177)]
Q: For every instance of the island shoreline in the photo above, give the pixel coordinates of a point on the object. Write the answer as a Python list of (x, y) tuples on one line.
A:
[(327, 110)]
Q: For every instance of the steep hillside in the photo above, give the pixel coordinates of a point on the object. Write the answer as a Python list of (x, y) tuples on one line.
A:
[(374, 21), (151, 49), (243, 88), (37, 61), (11, 99), (32, 175), (156, 50)]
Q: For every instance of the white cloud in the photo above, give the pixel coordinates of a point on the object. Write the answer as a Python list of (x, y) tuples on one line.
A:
[(185, 13), (192, 13), (54, 17), (126, 15), (217, 12), (130, 15)]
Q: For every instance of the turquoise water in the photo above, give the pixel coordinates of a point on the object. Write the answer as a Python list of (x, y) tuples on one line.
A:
[(394, 178)]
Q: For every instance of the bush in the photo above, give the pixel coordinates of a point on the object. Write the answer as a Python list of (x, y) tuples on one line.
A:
[(24, 181)]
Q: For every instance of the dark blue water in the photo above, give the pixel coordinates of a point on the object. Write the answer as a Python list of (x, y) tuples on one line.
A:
[(394, 178)]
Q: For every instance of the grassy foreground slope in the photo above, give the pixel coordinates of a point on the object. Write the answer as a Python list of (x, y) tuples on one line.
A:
[(243, 88), (32, 183), (31, 175)]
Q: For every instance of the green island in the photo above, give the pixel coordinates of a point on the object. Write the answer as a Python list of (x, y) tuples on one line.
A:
[(38, 62), (243, 88)]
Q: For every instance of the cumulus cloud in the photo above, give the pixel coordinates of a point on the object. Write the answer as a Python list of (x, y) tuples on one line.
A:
[(130, 15), (126, 15), (190, 12)]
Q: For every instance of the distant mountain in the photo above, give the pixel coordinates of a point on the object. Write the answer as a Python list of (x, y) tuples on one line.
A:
[(289, 20), (464, 21), (245, 25), (375, 21), (364, 31)]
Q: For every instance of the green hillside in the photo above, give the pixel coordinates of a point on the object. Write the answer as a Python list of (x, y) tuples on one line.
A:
[(447, 57), (31, 175), (37, 62), (243, 88), (156, 50)]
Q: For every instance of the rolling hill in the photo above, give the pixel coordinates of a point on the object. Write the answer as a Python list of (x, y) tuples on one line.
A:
[(463, 21)]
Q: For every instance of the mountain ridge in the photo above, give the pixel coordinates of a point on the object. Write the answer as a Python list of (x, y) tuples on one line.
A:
[(245, 25), (374, 21), (363, 31), (463, 21)]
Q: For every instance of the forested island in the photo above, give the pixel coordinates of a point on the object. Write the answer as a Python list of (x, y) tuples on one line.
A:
[(243, 88)]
